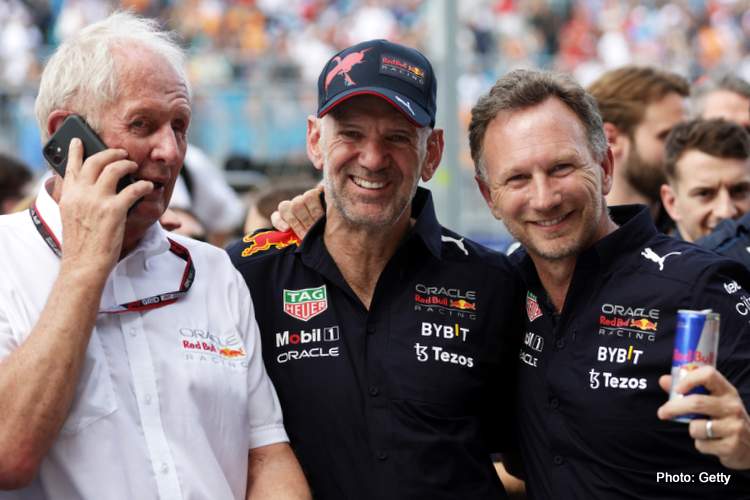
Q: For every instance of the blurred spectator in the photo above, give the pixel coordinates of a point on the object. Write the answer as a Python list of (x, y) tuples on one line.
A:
[(264, 203), (202, 191), (15, 181), (727, 97), (708, 195), (708, 173), (639, 106), (183, 222)]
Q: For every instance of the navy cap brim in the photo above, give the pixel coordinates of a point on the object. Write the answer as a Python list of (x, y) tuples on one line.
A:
[(410, 109)]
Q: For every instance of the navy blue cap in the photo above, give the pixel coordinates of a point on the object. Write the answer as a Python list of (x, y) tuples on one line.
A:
[(400, 75)]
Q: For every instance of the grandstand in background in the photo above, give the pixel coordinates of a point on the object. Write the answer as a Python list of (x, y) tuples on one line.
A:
[(254, 63)]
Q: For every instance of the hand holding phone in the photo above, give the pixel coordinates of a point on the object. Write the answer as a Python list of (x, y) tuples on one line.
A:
[(56, 149)]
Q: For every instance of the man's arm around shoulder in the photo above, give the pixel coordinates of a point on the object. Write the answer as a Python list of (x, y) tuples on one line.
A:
[(273, 472)]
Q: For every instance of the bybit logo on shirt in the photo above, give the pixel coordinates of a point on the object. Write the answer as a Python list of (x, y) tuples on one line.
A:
[(618, 355), (448, 332)]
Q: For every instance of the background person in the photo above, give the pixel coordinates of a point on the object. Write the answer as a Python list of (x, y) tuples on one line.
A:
[(639, 106), (727, 97), (708, 176)]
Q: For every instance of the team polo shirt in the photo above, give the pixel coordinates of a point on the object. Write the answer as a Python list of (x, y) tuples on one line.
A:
[(589, 376), (730, 238), (406, 400), (170, 400)]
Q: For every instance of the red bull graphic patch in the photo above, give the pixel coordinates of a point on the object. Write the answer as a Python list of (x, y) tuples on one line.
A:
[(266, 240), (344, 66), (306, 303)]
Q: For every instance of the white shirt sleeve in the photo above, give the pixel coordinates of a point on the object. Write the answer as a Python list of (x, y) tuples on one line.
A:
[(266, 421)]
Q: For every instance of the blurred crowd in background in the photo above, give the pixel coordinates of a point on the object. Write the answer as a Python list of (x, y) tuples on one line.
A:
[(253, 63)]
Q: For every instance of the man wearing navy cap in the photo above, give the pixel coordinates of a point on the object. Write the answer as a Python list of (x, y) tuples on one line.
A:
[(385, 334)]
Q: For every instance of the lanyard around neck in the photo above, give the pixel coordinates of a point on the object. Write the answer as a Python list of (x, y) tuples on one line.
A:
[(152, 302)]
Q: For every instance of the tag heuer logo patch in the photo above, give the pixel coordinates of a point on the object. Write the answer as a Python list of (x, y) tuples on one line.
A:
[(306, 303), (533, 311)]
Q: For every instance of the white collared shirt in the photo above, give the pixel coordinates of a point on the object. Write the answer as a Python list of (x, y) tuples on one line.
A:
[(170, 400)]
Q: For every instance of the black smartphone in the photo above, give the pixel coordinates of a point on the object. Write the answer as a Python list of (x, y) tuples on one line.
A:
[(56, 149)]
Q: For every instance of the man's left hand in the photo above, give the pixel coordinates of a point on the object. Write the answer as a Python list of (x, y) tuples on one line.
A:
[(730, 423)]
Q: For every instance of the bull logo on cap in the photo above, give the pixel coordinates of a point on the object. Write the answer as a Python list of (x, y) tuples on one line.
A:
[(344, 66)]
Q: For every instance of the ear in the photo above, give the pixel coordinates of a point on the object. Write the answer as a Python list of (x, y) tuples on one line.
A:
[(486, 194), (618, 141), (435, 145), (55, 119), (669, 200), (608, 167), (314, 143)]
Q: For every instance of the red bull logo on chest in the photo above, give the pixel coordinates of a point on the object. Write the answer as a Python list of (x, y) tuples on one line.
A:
[(306, 303)]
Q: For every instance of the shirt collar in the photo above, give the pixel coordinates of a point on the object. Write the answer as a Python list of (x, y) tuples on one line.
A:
[(426, 226)]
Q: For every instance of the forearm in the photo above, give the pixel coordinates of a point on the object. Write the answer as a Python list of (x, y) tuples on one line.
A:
[(38, 380), (275, 473)]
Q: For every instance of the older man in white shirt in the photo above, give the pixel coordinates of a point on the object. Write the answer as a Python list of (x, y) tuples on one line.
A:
[(130, 365)]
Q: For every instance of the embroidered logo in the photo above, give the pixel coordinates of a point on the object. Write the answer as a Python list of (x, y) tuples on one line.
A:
[(265, 240), (344, 66), (458, 243), (405, 103), (306, 303), (652, 256), (533, 311)]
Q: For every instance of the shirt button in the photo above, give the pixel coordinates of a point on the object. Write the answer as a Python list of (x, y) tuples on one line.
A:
[(164, 468), (382, 455), (374, 391), (557, 460), (560, 343), (147, 399), (133, 332), (554, 403), (370, 329)]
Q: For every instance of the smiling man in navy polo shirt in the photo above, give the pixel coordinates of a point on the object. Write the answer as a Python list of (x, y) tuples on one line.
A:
[(603, 290), (387, 337)]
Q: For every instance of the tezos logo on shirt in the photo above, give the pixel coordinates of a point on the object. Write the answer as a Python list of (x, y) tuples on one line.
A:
[(306, 303)]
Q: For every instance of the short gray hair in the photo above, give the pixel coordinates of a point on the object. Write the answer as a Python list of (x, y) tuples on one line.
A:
[(728, 82), (521, 89), (83, 75)]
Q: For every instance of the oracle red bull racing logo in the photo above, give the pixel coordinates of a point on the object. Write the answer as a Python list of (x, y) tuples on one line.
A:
[(634, 323), (265, 240), (446, 301), (203, 345)]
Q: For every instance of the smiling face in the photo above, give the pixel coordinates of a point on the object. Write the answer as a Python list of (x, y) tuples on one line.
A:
[(542, 181), (372, 158), (707, 190), (149, 119)]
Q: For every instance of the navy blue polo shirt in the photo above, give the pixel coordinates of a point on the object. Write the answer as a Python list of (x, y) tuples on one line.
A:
[(406, 400), (730, 238), (589, 376)]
